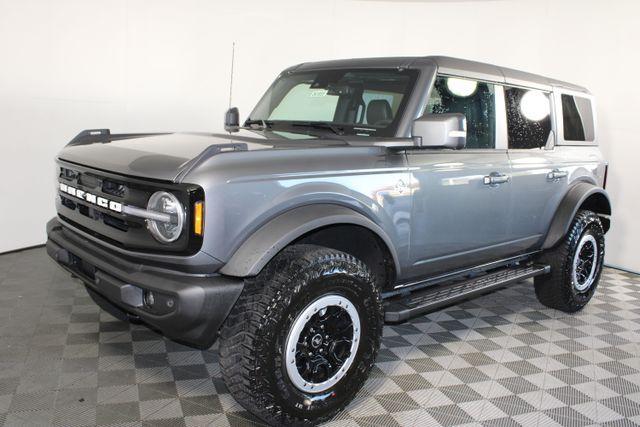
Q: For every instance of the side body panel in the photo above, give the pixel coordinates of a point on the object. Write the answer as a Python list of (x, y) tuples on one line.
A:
[(457, 220), (536, 195), (245, 192), (275, 235), (541, 180)]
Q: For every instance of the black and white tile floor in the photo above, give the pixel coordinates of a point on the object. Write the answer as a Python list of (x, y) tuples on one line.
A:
[(502, 359)]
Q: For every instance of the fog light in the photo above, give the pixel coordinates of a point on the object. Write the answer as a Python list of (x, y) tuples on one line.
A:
[(149, 298)]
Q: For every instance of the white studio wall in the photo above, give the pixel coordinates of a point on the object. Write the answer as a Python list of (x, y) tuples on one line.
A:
[(134, 65)]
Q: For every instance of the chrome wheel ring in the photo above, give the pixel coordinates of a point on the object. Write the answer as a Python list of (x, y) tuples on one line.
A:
[(322, 343), (585, 262)]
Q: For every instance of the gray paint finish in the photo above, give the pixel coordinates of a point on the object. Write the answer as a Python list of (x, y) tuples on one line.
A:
[(245, 192), (457, 220), (259, 248), (432, 207)]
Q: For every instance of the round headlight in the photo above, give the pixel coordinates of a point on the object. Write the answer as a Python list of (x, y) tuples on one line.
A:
[(169, 228)]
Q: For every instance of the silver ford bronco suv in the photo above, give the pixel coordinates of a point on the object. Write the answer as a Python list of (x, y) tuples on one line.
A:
[(357, 192)]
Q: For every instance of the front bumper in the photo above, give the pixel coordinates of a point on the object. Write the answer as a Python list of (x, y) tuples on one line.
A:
[(187, 308)]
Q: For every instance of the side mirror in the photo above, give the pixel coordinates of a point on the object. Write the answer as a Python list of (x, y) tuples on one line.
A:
[(440, 130), (232, 120)]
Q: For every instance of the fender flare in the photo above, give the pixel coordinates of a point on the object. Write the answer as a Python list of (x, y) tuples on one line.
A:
[(566, 211), (249, 259)]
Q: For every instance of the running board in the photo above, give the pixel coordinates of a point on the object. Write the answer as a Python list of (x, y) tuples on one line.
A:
[(403, 307)]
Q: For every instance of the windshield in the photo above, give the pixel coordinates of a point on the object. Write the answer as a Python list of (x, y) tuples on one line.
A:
[(365, 102)]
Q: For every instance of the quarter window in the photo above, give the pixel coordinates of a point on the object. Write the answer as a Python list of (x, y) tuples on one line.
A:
[(476, 100), (577, 116), (528, 117)]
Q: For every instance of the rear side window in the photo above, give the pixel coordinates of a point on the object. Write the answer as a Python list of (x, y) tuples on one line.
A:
[(528, 117), (577, 116), (476, 100)]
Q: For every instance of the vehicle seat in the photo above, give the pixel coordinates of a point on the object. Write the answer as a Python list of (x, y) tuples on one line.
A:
[(379, 112)]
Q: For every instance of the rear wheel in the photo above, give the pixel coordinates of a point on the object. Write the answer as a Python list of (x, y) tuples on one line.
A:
[(303, 337), (576, 265)]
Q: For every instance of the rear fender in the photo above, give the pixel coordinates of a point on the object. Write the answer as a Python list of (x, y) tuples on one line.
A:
[(582, 195)]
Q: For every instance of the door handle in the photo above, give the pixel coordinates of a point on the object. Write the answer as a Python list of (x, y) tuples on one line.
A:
[(556, 174), (495, 178)]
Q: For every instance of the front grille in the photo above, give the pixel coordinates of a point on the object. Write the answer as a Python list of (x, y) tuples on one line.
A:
[(116, 228), (89, 181), (113, 188), (70, 204), (115, 222)]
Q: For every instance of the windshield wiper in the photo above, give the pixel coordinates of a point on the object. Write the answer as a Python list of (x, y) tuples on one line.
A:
[(264, 124), (269, 124), (338, 130)]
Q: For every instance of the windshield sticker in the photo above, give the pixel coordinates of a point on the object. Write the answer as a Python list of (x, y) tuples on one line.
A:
[(318, 93)]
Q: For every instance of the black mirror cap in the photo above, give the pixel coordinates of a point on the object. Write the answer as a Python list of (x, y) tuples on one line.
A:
[(232, 119)]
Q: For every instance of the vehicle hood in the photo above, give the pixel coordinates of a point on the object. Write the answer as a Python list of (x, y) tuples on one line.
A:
[(167, 157)]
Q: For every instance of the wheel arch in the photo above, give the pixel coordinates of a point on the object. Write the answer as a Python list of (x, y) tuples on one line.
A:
[(305, 224), (362, 243), (582, 195)]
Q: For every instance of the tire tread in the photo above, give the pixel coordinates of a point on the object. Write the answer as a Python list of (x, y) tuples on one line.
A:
[(238, 336), (553, 289)]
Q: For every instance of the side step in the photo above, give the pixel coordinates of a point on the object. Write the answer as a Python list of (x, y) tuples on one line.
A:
[(403, 307)]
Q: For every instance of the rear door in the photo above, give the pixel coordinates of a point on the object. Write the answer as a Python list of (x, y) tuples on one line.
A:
[(461, 198), (539, 175)]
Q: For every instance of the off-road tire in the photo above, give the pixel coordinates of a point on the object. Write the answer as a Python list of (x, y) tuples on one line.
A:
[(557, 289), (253, 336)]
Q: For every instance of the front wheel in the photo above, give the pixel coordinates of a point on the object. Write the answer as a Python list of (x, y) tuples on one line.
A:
[(576, 265), (303, 337)]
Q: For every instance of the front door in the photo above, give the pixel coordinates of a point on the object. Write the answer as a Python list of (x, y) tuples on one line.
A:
[(461, 198)]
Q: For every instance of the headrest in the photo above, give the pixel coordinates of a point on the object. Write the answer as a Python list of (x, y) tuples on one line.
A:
[(379, 112)]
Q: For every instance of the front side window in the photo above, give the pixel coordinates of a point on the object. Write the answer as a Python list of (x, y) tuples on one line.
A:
[(528, 117), (577, 116), (366, 102), (476, 100)]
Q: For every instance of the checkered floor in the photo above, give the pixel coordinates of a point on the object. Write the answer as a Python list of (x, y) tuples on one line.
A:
[(502, 360)]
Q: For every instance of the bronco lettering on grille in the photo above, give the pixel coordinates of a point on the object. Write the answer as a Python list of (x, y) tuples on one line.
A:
[(91, 198)]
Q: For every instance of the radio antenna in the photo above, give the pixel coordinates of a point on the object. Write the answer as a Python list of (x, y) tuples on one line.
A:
[(233, 55)]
